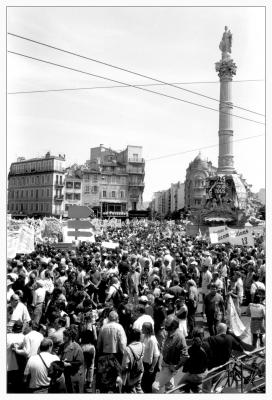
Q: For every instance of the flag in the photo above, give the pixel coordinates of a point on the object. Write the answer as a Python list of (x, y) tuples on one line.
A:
[(236, 325)]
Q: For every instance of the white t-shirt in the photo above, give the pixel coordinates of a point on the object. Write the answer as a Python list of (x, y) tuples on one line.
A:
[(20, 313), (13, 338), (206, 279), (37, 370), (151, 349), (138, 324), (32, 341)]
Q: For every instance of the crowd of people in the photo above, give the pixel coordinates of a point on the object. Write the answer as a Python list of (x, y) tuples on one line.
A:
[(123, 320)]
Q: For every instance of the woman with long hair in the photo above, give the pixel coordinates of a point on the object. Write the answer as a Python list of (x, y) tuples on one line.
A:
[(150, 358)]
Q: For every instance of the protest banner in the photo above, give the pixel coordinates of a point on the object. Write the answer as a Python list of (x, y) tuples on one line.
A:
[(109, 245), (25, 241), (12, 240), (223, 234)]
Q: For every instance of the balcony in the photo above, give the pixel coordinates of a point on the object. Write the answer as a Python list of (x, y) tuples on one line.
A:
[(136, 160), (59, 184), (59, 197), (139, 184)]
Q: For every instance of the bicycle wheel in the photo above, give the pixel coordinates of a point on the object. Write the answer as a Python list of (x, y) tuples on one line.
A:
[(223, 381)]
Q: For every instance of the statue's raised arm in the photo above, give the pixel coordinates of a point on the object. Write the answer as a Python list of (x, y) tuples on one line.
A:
[(226, 42)]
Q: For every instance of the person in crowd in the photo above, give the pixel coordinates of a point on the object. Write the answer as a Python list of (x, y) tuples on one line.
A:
[(132, 364), (31, 342), (195, 367), (174, 354), (73, 359), (17, 312), (15, 363), (150, 358), (215, 309), (256, 312), (143, 317), (237, 292), (192, 305), (206, 278), (256, 287), (87, 344), (218, 349), (36, 371), (111, 345)]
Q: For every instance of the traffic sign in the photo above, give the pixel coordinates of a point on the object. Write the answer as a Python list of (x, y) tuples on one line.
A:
[(79, 211), (77, 234), (78, 224)]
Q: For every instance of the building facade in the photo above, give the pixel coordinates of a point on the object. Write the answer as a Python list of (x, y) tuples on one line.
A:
[(35, 186), (72, 188), (113, 181), (166, 202), (195, 184)]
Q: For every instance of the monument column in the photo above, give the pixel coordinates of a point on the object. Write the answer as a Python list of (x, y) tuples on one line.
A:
[(226, 68)]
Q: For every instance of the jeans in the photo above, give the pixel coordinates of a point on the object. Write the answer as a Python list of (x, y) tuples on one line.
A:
[(165, 379)]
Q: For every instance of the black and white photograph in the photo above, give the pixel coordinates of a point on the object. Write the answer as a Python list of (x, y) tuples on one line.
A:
[(136, 198)]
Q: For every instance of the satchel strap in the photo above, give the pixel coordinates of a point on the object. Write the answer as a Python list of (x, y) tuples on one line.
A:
[(44, 363)]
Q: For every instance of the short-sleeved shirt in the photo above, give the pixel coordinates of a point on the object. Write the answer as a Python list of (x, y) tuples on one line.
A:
[(151, 349), (38, 371)]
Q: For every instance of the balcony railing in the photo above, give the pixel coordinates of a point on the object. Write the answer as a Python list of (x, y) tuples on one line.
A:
[(136, 160), (58, 197), (59, 184)]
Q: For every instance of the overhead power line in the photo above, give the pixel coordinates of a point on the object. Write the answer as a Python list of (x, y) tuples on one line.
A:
[(124, 70), (133, 86), (122, 86), (199, 148)]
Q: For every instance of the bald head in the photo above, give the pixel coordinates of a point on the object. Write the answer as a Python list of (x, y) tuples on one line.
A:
[(221, 328)]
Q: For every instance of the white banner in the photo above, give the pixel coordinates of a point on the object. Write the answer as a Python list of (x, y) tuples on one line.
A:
[(223, 234), (235, 323), (110, 245), (12, 241)]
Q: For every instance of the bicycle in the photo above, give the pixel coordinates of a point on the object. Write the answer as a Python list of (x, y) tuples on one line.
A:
[(241, 375)]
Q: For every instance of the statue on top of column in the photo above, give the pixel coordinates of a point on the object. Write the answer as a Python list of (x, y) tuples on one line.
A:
[(226, 42)]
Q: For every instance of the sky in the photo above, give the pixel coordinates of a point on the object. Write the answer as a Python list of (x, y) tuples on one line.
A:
[(170, 44)]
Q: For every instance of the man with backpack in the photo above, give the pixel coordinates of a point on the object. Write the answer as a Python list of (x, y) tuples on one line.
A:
[(115, 293), (132, 364)]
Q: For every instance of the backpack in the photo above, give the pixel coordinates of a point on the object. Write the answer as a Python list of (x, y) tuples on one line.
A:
[(117, 296), (137, 366)]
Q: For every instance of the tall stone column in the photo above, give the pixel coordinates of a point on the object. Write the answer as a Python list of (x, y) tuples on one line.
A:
[(226, 68)]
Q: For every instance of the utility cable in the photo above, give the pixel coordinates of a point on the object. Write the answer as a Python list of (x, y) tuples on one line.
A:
[(125, 70), (122, 86), (134, 86), (199, 148)]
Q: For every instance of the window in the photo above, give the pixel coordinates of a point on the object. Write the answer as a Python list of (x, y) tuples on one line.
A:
[(42, 179), (104, 193), (95, 178), (87, 189), (69, 196), (47, 178), (94, 189), (57, 179), (17, 194), (41, 206), (37, 180), (69, 185), (61, 179), (77, 185), (77, 196), (32, 179), (135, 157), (48, 192), (37, 206), (42, 192), (26, 194), (46, 207), (113, 194), (12, 194), (37, 193), (22, 194), (12, 206), (66, 207), (17, 207), (122, 194)]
